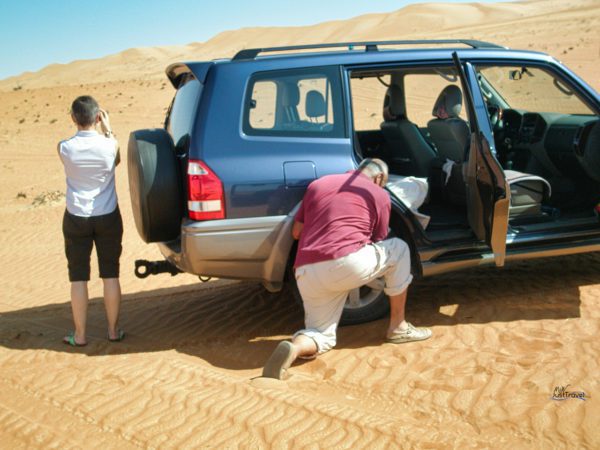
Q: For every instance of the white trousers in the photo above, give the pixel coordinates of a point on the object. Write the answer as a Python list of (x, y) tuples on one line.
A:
[(325, 286)]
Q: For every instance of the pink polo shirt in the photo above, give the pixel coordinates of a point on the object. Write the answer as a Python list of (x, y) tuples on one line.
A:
[(341, 214)]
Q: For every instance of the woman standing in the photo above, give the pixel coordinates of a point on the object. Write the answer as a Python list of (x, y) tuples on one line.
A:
[(92, 215)]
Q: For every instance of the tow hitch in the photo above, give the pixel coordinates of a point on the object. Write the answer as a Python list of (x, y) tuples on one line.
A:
[(145, 268)]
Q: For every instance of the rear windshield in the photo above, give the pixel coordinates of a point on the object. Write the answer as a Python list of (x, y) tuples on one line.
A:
[(300, 102)]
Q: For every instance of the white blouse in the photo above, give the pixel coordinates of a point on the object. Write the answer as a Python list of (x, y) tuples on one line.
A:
[(89, 160)]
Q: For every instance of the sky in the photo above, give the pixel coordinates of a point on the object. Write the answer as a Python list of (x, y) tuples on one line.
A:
[(36, 33)]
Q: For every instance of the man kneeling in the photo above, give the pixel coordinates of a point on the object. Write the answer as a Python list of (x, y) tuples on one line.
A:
[(341, 225)]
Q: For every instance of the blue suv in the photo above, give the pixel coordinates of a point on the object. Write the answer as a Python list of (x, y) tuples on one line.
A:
[(507, 143)]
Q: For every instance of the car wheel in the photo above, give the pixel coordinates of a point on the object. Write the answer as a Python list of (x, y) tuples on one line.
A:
[(154, 185), (364, 304)]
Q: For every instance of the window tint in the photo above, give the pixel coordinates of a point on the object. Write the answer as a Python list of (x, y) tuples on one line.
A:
[(531, 89), (303, 103), (183, 110)]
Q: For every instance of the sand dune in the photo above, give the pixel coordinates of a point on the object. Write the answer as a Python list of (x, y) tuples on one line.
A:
[(185, 377), (577, 21)]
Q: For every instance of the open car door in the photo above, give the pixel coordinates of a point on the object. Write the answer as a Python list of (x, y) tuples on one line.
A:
[(488, 193)]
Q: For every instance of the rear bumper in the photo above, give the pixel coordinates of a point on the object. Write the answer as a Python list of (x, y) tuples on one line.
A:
[(250, 248)]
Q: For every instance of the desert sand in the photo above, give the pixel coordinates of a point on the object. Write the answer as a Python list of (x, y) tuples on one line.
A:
[(187, 374)]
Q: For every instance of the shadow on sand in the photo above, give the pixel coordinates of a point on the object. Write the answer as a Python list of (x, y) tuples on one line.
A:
[(235, 325)]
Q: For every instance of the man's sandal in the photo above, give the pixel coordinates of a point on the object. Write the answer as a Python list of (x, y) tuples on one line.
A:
[(281, 359)]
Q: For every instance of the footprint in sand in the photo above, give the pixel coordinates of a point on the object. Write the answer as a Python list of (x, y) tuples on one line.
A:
[(528, 360), (385, 362), (320, 368), (503, 366), (532, 344)]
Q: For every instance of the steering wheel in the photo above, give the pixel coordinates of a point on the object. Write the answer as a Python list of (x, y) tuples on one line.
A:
[(495, 114)]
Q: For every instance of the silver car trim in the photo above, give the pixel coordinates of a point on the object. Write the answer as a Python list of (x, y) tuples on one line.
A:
[(435, 268), (248, 223), (545, 235)]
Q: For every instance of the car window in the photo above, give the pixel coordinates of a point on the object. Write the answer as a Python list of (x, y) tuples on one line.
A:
[(419, 88), (531, 89), (367, 100), (306, 102), (262, 113), (183, 110)]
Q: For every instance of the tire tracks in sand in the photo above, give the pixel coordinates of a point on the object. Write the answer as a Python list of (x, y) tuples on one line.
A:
[(185, 375)]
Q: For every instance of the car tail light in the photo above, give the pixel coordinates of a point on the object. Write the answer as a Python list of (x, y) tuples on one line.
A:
[(206, 199)]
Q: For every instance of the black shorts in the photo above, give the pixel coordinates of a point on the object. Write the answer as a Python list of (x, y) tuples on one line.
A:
[(81, 233)]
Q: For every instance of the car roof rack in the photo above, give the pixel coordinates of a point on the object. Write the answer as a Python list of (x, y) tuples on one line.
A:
[(370, 46)]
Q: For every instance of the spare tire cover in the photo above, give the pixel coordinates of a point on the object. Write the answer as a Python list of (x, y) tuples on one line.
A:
[(154, 185)]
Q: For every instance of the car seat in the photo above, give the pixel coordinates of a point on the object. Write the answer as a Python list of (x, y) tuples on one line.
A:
[(316, 108), (289, 101), (451, 136), (449, 133), (527, 192), (315, 105), (409, 150)]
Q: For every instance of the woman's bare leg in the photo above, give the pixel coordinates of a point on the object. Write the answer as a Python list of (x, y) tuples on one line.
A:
[(79, 306), (112, 303)]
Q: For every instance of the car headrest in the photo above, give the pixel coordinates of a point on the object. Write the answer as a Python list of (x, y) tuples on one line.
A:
[(315, 104), (291, 95), (393, 103), (448, 103)]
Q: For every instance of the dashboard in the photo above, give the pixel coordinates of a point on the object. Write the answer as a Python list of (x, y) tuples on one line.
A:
[(523, 127), (551, 139)]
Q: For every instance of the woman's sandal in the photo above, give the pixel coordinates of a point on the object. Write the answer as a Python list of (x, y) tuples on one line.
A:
[(119, 338), (69, 339)]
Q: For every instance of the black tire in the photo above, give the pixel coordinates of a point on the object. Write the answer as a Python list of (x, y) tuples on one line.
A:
[(372, 304), (366, 304), (154, 185)]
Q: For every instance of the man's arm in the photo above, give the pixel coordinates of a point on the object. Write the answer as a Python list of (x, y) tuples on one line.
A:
[(382, 225), (298, 222), (297, 230)]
